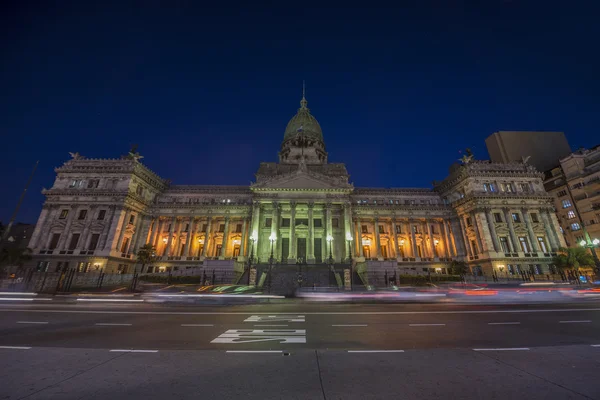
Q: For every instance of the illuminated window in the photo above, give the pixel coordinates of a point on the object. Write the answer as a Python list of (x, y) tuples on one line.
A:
[(524, 244), (571, 214), (63, 214), (566, 203), (504, 244), (381, 229), (575, 226), (542, 244), (398, 228), (364, 229), (516, 217)]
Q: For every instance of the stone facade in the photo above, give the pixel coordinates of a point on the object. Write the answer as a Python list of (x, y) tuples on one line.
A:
[(100, 212)]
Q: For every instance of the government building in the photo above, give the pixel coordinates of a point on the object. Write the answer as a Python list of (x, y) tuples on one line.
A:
[(301, 210)]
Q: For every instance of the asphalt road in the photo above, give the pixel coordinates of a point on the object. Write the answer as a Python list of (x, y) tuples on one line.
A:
[(299, 350)]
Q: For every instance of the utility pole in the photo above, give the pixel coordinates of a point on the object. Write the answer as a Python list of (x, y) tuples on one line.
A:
[(14, 214)]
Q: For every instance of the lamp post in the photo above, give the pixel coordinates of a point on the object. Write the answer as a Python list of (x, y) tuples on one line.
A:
[(272, 239), (588, 243), (252, 241), (349, 240), (329, 240)]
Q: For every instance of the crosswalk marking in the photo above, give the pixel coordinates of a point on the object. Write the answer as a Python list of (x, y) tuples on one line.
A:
[(262, 335), (275, 318)]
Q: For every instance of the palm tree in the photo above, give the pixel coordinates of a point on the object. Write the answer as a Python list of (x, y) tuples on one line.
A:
[(573, 258), (146, 254)]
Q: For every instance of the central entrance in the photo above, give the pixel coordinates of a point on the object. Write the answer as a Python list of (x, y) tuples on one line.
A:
[(301, 249)]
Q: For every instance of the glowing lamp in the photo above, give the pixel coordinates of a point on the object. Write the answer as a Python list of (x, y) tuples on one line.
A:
[(348, 236), (329, 238), (582, 243), (596, 242), (273, 237)]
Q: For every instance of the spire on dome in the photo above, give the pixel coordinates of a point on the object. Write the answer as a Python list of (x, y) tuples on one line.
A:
[(303, 102)]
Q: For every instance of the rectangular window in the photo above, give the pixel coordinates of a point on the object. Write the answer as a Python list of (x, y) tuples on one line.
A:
[(524, 187), (238, 228), (415, 229), (74, 241), (433, 229), (94, 241), (575, 226), (285, 222), (335, 222), (497, 217), (489, 187), (82, 214), (542, 244), (301, 221), (504, 244), (131, 219), (474, 247), (380, 227), (54, 241), (101, 215), (524, 244), (534, 217), (125, 245), (566, 203), (187, 227), (317, 223), (268, 222), (469, 222), (222, 228), (561, 193), (93, 183), (204, 227), (139, 190), (398, 228), (571, 214), (419, 251), (364, 229), (516, 217), (63, 214)]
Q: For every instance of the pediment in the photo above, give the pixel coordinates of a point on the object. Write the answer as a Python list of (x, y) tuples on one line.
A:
[(301, 181)]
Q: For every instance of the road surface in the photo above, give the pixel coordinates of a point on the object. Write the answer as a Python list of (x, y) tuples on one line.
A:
[(299, 351)]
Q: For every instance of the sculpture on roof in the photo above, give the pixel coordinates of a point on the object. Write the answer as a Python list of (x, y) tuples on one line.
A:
[(76, 156), (133, 154), (467, 158)]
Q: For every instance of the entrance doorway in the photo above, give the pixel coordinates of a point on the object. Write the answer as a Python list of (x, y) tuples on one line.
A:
[(384, 253), (318, 250), (301, 249), (367, 251), (285, 249)]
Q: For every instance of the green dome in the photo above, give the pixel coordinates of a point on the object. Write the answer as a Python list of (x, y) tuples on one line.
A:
[(303, 122)]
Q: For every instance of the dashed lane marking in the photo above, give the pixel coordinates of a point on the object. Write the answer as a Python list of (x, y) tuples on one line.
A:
[(275, 318), (32, 322), (350, 325), (505, 349), (426, 324), (197, 325), (132, 351), (234, 336), (504, 323), (375, 351), (254, 351), (15, 347), (575, 322), (111, 324)]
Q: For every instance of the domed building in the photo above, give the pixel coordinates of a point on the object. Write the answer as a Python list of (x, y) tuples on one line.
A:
[(300, 223)]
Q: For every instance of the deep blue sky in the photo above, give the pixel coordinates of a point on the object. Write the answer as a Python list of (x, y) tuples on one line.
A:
[(206, 92)]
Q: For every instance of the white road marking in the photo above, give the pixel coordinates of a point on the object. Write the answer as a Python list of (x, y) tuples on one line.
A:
[(18, 293), (270, 325), (110, 324), (112, 300), (350, 325), (15, 347), (595, 345), (575, 322), (375, 351), (32, 322), (261, 335), (305, 313), (505, 349), (504, 323), (426, 324), (197, 325), (253, 351), (23, 299), (132, 351), (275, 318)]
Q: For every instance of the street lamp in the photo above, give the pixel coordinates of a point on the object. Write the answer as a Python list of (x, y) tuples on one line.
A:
[(329, 240), (252, 240), (349, 239), (272, 239), (588, 243)]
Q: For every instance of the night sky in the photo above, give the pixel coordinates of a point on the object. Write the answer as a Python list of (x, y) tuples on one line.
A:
[(207, 92)]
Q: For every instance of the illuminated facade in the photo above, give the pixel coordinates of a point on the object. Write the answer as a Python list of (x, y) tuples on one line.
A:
[(99, 212)]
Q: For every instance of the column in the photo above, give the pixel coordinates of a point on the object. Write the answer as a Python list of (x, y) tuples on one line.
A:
[(357, 238), (328, 232), (483, 245), (292, 244), (167, 251), (275, 230), (225, 239), (311, 234), (159, 222), (431, 239), (155, 225), (463, 230), (395, 239), (549, 234), (63, 243), (458, 237), (490, 224), (556, 229), (189, 238), (106, 232), (511, 230), (40, 226), (255, 227), (123, 226), (244, 237), (413, 240), (206, 236), (86, 229), (347, 230), (176, 248), (141, 231), (532, 238), (450, 250), (377, 239), (197, 235)]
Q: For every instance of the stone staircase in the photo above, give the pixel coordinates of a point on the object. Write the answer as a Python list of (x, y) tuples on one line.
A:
[(284, 278)]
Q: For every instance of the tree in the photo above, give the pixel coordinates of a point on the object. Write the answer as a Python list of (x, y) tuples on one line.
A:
[(459, 268), (14, 256), (573, 258), (146, 254)]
